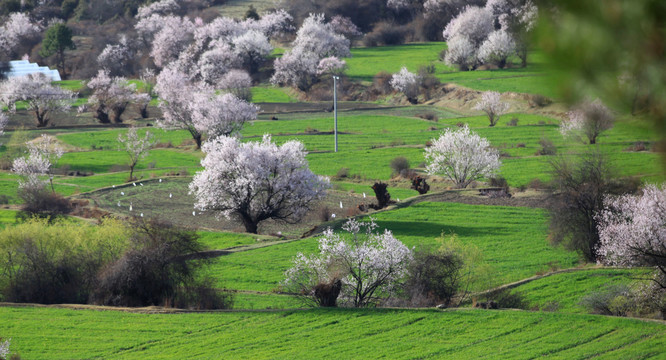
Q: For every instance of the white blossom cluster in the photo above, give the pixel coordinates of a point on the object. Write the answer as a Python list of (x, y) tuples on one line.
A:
[(632, 229), (256, 181), (406, 82), (39, 95), (198, 108), (369, 264), (111, 96), (492, 104), (315, 40), (16, 27), (331, 65), (462, 156), (135, 146), (473, 38), (4, 348), (43, 155)]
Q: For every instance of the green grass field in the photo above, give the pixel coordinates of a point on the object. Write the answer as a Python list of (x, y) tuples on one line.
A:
[(43, 333)]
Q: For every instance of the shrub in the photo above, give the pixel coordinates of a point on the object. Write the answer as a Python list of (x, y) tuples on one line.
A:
[(537, 100), (547, 147), (56, 263), (507, 299), (385, 34), (381, 83), (434, 277), (430, 115), (342, 173), (512, 122), (156, 270), (499, 182), (614, 300), (41, 202)]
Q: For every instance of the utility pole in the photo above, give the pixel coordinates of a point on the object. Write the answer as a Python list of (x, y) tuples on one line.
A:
[(335, 109)]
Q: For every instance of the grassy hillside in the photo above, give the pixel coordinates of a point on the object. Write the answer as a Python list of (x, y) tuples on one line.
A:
[(42, 333)]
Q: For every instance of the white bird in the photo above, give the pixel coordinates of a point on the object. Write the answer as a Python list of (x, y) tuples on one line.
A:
[(118, 202), (130, 206), (364, 195), (332, 216), (170, 195), (194, 213), (141, 184), (122, 193), (113, 186), (398, 199), (160, 180), (141, 214), (134, 184), (340, 204)]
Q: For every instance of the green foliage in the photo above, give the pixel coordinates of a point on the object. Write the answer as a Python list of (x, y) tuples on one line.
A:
[(57, 39), (395, 334)]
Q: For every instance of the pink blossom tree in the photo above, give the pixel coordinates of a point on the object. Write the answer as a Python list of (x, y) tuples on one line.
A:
[(314, 41), (256, 181), (589, 120), (43, 156), (252, 47), (462, 156), (238, 83), (369, 265), (115, 58), (136, 147), (407, 83), (4, 348), (164, 7), (473, 23), (16, 28), (632, 230), (518, 18), (111, 96), (40, 96), (331, 66), (492, 105), (198, 109), (344, 25)]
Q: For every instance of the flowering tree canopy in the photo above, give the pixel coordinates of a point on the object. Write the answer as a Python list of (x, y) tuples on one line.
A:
[(256, 181), (15, 28), (492, 105), (589, 120), (237, 82), (331, 65), (461, 53), (43, 155), (40, 96), (407, 83), (198, 109), (136, 147), (111, 96), (632, 230), (368, 264), (497, 48), (315, 40), (114, 58), (462, 156)]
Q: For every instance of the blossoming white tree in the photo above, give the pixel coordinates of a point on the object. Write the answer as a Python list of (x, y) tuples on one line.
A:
[(14, 29), (43, 155), (462, 156), (492, 105), (237, 82), (115, 58), (4, 348), (256, 181), (314, 41), (40, 96), (369, 265), (136, 147), (111, 96), (407, 83), (589, 120), (198, 109), (331, 66), (497, 48), (461, 53), (632, 230)]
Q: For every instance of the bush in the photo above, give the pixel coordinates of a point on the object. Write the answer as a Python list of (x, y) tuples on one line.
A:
[(41, 202), (499, 182), (157, 269), (537, 100), (434, 278), (385, 34), (507, 299), (512, 122), (56, 263), (547, 147), (342, 173), (381, 83), (614, 300), (430, 115)]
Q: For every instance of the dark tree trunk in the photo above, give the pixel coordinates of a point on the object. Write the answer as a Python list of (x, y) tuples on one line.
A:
[(251, 226), (197, 139), (101, 115), (382, 195), (327, 294)]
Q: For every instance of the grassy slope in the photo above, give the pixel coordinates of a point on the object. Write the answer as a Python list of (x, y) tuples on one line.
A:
[(513, 242), (565, 290), (365, 63), (40, 333)]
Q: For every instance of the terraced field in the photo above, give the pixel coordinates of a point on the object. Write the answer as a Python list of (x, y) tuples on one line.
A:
[(42, 333)]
